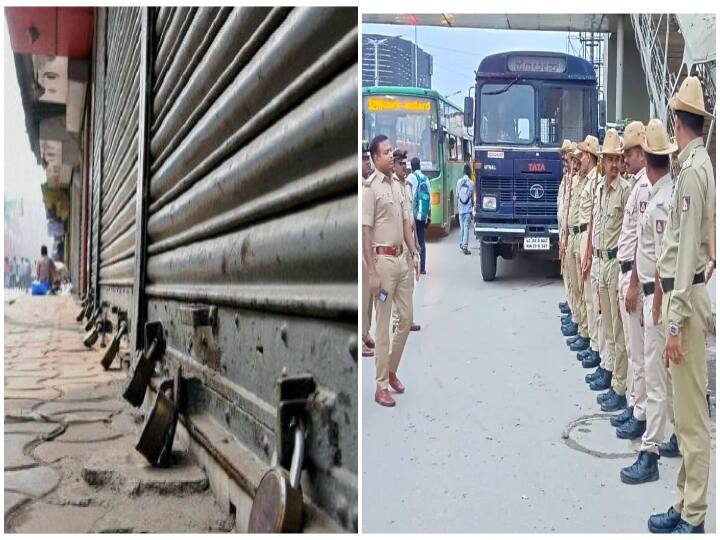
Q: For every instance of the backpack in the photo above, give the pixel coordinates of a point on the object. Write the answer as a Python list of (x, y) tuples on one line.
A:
[(465, 193), (421, 204)]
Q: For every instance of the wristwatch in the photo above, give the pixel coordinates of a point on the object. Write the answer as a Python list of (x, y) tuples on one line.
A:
[(674, 329)]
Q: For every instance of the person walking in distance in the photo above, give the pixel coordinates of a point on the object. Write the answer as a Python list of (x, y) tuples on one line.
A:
[(368, 344), (421, 206), (386, 224), (686, 311), (464, 189), (630, 423)]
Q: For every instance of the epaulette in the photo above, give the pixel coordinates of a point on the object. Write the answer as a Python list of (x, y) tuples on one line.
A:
[(688, 162)]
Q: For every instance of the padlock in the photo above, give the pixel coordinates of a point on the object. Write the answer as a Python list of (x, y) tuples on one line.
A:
[(139, 375), (93, 320), (157, 436), (80, 315), (278, 503), (88, 310), (91, 336), (114, 346)]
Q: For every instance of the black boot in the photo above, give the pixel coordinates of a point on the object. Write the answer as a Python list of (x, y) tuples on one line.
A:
[(616, 402), (602, 383), (670, 448), (580, 344), (591, 361), (605, 396), (619, 419), (572, 339), (664, 523), (594, 375), (645, 469), (569, 330), (582, 355), (632, 429)]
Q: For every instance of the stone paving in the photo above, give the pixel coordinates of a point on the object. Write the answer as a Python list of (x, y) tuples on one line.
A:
[(70, 462)]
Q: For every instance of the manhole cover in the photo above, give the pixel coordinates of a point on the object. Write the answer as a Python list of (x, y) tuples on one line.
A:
[(594, 435)]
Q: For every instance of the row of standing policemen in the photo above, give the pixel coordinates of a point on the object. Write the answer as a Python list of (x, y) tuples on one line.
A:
[(390, 253), (637, 247)]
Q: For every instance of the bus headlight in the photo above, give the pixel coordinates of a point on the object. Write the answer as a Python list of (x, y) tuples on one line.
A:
[(489, 202)]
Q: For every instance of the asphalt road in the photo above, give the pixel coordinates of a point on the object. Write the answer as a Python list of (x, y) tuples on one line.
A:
[(476, 443)]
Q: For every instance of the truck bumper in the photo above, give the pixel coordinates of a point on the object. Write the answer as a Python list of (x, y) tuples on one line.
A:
[(510, 236)]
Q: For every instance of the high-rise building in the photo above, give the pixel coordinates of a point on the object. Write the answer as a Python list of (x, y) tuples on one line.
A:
[(396, 63)]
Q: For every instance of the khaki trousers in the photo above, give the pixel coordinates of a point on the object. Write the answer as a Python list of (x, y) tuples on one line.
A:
[(592, 314), (568, 264), (657, 382), (609, 270), (396, 279), (633, 330), (395, 313), (607, 360), (575, 283), (367, 305), (692, 424)]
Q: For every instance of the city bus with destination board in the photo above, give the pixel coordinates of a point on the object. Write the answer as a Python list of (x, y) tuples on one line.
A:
[(430, 128), (525, 104)]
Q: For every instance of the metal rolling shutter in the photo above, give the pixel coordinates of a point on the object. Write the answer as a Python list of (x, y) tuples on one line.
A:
[(253, 210), (119, 163)]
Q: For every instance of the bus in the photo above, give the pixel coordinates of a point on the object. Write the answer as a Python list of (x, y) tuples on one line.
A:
[(525, 104), (430, 128)]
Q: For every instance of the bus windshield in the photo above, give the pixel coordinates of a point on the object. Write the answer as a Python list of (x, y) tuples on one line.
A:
[(409, 122), (564, 114), (507, 113)]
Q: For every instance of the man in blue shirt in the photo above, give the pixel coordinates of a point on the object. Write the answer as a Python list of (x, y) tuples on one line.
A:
[(464, 193)]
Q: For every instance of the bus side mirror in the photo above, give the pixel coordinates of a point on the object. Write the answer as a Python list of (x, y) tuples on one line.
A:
[(602, 113), (468, 112)]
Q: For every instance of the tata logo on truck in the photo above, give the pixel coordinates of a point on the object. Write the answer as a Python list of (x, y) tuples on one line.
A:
[(536, 167), (537, 191)]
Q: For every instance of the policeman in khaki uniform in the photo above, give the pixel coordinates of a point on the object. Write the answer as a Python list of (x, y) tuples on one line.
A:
[(686, 312), (614, 193), (570, 322), (564, 151), (657, 149), (386, 224), (400, 172), (630, 423), (576, 228), (368, 345)]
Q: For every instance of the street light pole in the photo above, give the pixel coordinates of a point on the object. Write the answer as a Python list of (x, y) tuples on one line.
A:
[(376, 45)]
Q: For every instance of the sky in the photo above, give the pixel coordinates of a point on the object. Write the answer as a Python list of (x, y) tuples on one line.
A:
[(457, 52), (23, 175)]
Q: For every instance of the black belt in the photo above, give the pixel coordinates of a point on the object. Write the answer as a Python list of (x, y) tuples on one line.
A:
[(611, 254), (649, 288), (626, 266), (578, 228), (668, 284)]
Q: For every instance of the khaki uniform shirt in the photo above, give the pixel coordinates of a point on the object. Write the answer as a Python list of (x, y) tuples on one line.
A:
[(407, 198), (578, 184), (612, 208), (560, 205), (383, 209), (634, 210), (652, 228), (685, 246), (586, 197)]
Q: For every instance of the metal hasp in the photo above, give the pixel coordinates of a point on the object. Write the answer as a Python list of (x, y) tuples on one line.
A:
[(278, 503), (156, 439), (198, 315), (143, 364)]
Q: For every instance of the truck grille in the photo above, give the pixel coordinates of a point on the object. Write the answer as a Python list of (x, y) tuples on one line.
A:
[(525, 205), (498, 186)]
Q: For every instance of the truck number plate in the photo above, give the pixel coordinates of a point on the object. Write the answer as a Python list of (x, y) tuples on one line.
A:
[(537, 243)]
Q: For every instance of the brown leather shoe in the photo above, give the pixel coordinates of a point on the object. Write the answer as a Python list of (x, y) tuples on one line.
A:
[(367, 351), (369, 342), (383, 397), (414, 327), (395, 384)]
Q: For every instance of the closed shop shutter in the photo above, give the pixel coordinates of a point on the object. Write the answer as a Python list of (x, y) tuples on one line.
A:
[(119, 155), (253, 211)]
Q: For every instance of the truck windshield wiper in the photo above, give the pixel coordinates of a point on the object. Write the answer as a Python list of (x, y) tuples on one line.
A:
[(502, 90)]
